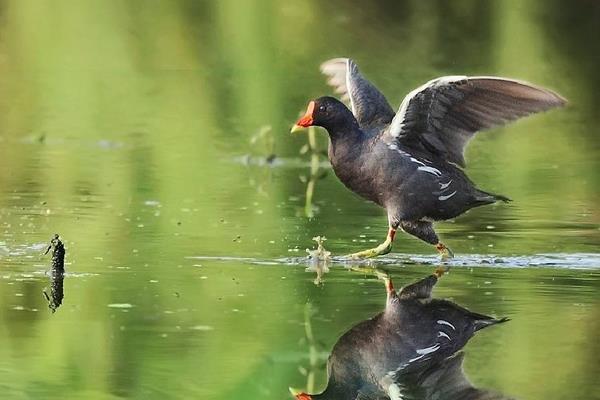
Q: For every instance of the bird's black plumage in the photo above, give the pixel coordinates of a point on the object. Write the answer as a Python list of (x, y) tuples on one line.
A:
[(410, 162), (401, 345)]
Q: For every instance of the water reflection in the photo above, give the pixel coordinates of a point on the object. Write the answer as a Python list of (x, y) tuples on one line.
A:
[(407, 351), (167, 92), (319, 260), (316, 172), (57, 294), (314, 348), (445, 381), (57, 274)]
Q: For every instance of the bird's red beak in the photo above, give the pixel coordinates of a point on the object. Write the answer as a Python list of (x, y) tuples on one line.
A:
[(298, 395), (307, 119)]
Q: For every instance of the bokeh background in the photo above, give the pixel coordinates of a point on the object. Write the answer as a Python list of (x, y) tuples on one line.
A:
[(154, 137)]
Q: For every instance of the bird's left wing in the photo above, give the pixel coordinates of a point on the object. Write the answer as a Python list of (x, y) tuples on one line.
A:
[(444, 114), (368, 104)]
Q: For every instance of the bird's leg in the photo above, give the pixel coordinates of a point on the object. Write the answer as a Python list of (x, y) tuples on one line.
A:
[(424, 231), (445, 252), (389, 287), (382, 249), (441, 270)]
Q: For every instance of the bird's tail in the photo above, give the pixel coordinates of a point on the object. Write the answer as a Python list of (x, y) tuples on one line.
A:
[(489, 321), (489, 198)]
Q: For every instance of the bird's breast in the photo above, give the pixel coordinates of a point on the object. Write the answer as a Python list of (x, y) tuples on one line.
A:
[(359, 173)]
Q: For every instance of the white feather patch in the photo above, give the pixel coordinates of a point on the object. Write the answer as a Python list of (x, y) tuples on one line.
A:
[(444, 198), (442, 322)]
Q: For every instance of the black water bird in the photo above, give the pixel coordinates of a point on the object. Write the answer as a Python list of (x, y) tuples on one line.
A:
[(383, 357), (410, 162), (445, 381)]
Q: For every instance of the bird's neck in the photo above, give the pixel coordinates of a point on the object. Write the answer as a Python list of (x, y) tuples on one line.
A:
[(337, 392), (344, 138), (346, 131)]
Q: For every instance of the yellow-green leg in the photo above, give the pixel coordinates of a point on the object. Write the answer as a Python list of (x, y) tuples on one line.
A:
[(380, 250)]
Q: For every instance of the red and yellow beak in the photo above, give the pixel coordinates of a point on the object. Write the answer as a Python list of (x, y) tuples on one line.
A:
[(306, 120), (298, 395)]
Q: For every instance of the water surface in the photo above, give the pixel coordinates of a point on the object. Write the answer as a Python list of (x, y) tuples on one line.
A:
[(142, 133)]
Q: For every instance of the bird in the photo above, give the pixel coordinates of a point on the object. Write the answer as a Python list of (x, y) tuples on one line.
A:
[(411, 162), (446, 381), (380, 357)]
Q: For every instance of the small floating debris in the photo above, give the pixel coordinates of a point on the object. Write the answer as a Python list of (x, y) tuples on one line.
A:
[(265, 141), (120, 305), (319, 259), (320, 254), (203, 328)]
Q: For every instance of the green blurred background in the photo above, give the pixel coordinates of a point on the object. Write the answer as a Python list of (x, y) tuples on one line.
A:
[(140, 130)]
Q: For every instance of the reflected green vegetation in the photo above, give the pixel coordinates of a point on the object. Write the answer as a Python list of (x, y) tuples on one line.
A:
[(128, 126)]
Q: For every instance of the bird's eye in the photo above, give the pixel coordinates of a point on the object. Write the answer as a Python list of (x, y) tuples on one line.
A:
[(322, 108)]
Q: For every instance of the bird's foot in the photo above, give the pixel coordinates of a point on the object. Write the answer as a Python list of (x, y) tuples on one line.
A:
[(441, 270), (445, 253), (380, 250)]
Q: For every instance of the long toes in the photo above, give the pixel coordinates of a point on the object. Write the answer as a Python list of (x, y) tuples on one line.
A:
[(360, 255), (354, 256), (448, 254)]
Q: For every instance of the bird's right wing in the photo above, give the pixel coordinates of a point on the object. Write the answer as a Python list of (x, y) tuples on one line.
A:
[(368, 104), (444, 114)]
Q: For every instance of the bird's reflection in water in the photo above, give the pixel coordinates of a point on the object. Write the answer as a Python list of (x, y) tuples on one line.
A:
[(409, 351), (444, 381), (57, 274)]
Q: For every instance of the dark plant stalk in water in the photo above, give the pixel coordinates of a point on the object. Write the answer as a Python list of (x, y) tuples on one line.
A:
[(58, 254), (57, 271)]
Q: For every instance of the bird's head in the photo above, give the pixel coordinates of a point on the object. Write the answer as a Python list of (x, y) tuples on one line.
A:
[(327, 112)]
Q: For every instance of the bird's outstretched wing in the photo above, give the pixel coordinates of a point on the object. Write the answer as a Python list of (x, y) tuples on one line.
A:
[(441, 116), (368, 104)]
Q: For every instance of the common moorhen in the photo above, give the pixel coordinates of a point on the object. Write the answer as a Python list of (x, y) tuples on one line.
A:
[(445, 381), (373, 358), (410, 162)]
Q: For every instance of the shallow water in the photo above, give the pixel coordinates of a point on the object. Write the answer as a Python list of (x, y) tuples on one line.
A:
[(129, 131)]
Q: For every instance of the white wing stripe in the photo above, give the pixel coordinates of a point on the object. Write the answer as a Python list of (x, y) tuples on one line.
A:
[(398, 121), (444, 198), (442, 322), (431, 170)]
